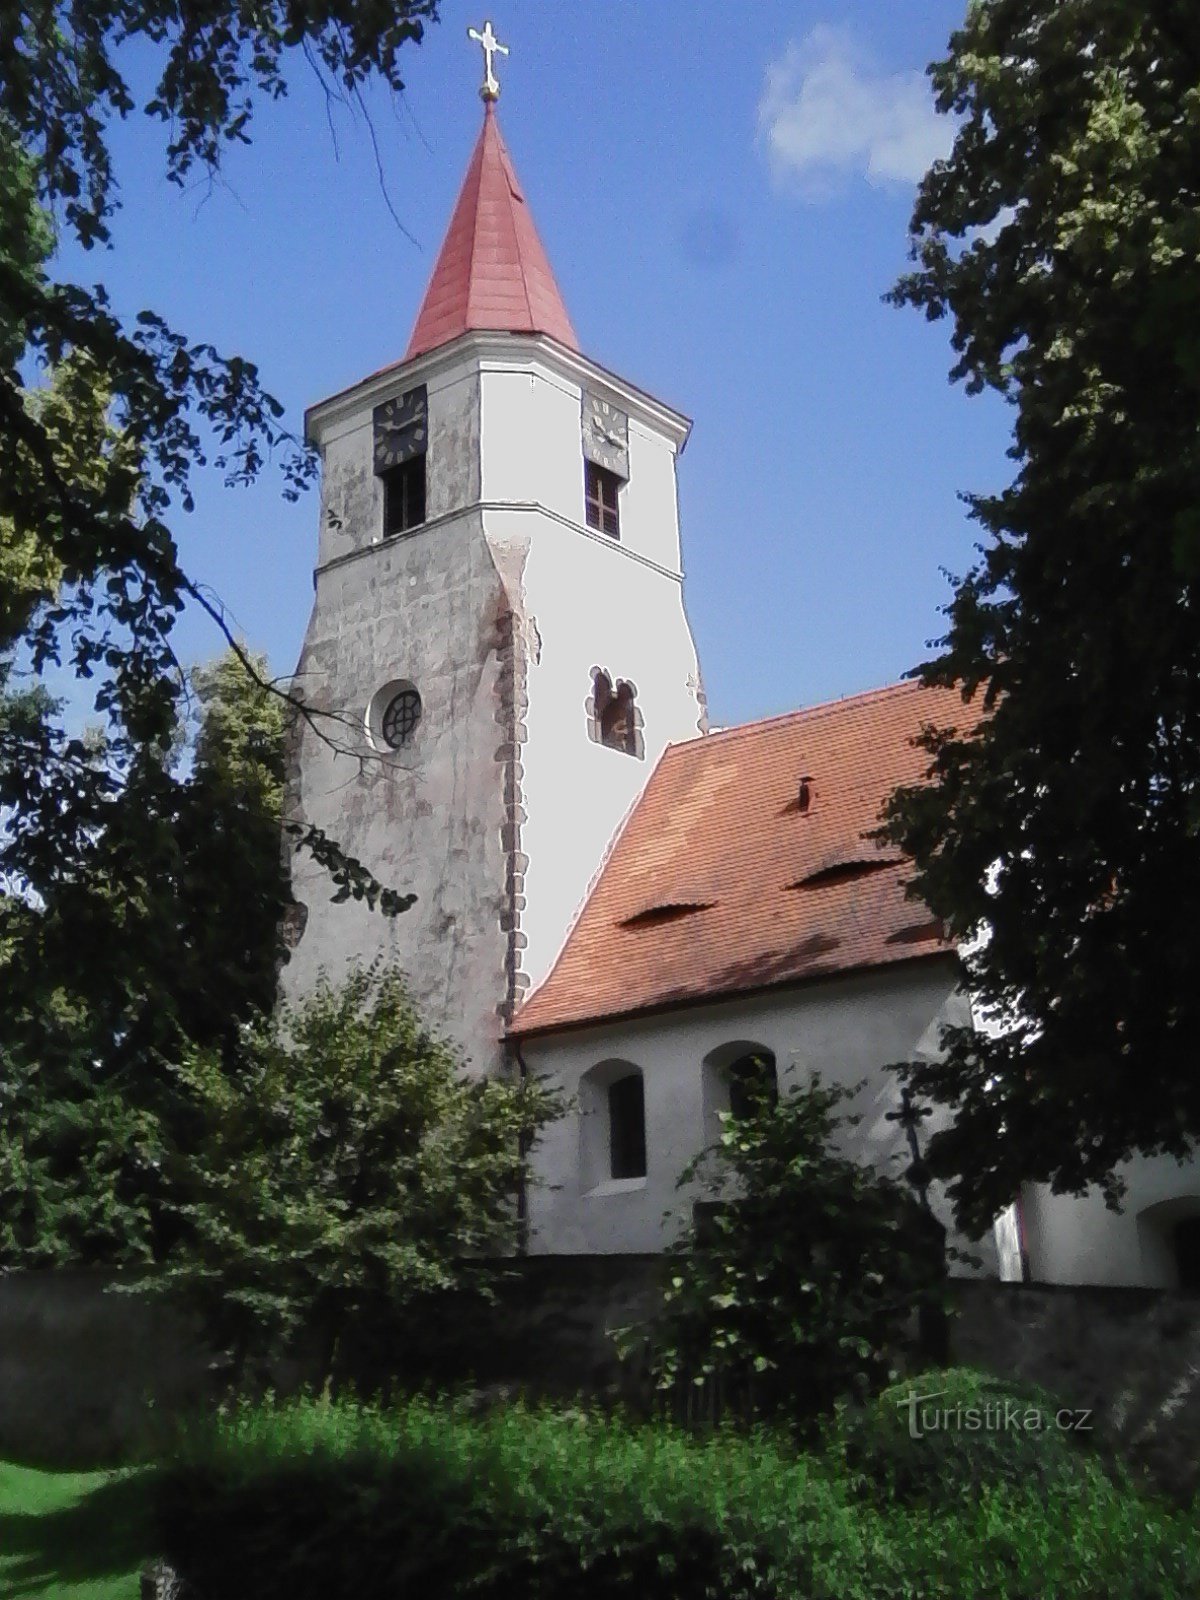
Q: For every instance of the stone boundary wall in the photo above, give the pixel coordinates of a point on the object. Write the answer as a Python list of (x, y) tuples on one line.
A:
[(1132, 1356), (87, 1376)]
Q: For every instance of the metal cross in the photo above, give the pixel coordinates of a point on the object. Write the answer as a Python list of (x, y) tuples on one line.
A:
[(491, 46)]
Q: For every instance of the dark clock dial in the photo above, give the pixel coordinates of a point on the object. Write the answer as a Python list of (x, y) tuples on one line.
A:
[(400, 429)]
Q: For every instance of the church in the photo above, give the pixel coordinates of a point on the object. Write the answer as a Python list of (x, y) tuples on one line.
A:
[(610, 894)]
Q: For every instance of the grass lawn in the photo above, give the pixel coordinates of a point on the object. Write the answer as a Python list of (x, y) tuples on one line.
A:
[(70, 1535)]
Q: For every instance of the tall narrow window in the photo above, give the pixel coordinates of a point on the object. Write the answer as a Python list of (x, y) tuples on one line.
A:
[(602, 490), (627, 1127), (404, 496), (737, 1078), (752, 1082), (1186, 1242)]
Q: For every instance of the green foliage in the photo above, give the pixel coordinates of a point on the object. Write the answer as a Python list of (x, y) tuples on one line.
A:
[(798, 1287), (96, 470), (330, 1500), (163, 937), (1061, 238), (343, 1175), (62, 80), (953, 1435)]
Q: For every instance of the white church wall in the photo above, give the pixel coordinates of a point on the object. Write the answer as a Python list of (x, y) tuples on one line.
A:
[(590, 604), (1077, 1239), (649, 501), (531, 450), (532, 446), (847, 1028)]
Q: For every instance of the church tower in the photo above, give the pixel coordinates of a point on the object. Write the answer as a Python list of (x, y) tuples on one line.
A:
[(498, 626)]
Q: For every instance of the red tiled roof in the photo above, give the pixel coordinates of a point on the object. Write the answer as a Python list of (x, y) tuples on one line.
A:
[(777, 893), (492, 272)]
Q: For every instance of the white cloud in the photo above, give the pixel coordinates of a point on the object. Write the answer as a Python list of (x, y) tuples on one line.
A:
[(826, 116)]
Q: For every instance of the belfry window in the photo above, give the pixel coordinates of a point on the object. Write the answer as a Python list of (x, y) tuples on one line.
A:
[(613, 716), (401, 437), (602, 497), (404, 497)]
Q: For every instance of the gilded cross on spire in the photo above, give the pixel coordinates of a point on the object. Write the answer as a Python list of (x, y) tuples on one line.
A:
[(491, 47)]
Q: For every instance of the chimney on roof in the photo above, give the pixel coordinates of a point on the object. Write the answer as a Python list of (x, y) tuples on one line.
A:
[(804, 798)]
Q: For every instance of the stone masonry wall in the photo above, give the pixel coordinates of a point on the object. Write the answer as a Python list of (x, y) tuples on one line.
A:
[(87, 1376), (1132, 1356)]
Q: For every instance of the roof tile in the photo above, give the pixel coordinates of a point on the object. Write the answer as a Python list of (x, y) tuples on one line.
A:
[(719, 827)]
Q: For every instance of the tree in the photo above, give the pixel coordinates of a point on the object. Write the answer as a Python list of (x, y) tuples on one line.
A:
[(160, 937), (346, 1173), (94, 478), (796, 1286), (1061, 236)]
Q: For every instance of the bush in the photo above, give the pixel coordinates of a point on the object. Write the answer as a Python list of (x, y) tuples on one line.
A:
[(325, 1500), (347, 1177), (318, 1499), (801, 1283), (949, 1436)]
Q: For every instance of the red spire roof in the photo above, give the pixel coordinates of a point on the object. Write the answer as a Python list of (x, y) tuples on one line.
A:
[(492, 271)]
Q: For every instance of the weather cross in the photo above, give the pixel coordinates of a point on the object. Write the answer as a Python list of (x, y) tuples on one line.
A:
[(491, 47)]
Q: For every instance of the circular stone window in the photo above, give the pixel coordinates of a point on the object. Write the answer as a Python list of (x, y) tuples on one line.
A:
[(393, 717), (400, 718)]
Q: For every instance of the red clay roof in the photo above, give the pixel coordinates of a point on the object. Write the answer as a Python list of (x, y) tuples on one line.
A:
[(492, 271), (720, 883)]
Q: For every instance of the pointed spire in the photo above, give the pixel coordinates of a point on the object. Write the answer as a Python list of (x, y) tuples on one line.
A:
[(492, 271)]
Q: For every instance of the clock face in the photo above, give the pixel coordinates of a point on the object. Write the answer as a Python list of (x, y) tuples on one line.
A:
[(607, 429), (401, 426)]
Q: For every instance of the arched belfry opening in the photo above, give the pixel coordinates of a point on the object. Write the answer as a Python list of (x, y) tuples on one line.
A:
[(614, 717)]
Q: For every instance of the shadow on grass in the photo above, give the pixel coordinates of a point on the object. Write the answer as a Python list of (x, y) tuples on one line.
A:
[(104, 1533)]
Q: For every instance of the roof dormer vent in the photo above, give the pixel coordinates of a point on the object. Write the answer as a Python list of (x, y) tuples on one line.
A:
[(804, 798), (654, 916)]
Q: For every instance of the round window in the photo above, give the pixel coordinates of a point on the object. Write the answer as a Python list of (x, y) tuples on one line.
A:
[(400, 718)]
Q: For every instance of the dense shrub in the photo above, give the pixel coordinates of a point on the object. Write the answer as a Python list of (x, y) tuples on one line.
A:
[(346, 1177), (802, 1280), (329, 1500), (948, 1436)]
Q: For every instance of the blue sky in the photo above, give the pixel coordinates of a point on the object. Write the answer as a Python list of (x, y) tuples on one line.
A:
[(724, 203)]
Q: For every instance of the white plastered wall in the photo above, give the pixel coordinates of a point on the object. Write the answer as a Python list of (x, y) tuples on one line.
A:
[(1077, 1239), (849, 1029), (589, 601)]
